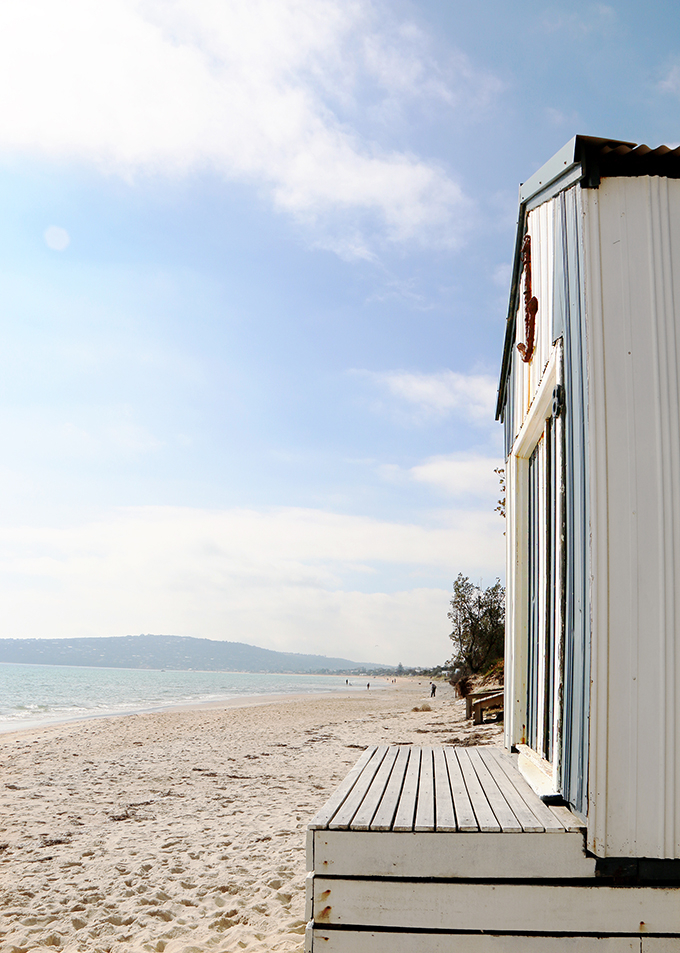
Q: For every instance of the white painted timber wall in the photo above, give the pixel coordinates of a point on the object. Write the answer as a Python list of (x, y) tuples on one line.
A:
[(632, 275)]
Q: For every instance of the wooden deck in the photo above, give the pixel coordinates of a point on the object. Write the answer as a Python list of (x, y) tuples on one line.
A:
[(466, 790), (429, 849)]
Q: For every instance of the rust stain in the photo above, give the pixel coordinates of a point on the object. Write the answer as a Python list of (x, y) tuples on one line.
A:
[(530, 304), (643, 926), (325, 894), (325, 914)]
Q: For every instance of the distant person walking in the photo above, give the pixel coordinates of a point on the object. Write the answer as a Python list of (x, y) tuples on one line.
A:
[(433, 689), (368, 686)]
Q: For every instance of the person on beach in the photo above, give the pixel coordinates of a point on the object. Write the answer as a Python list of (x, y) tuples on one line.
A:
[(433, 689), (368, 686)]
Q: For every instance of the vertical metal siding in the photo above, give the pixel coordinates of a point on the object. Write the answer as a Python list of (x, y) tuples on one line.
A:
[(541, 229), (539, 543), (542, 617), (553, 613), (533, 587), (576, 677), (508, 410), (633, 245)]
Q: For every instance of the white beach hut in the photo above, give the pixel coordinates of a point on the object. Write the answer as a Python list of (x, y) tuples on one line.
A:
[(590, 400), (569, 840)]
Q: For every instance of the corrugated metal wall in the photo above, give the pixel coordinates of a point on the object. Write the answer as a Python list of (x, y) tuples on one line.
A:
[(555, 233), (521, 391), (632, 236), (541, 586), (569, 319), (509, 431), (606, 265)]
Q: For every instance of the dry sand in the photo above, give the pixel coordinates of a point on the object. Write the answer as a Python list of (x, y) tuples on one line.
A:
[(184, 831)]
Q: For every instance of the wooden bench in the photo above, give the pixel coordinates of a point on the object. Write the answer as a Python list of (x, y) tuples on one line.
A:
[(448, 850), (474, 697), (480, 706)]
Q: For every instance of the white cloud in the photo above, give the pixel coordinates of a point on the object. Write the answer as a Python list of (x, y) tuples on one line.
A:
[(462, 474), (265, 91), (446, 392), (671, 82), (469, 478), (284, 578), (98, 433), (57, 238), (597, 18)]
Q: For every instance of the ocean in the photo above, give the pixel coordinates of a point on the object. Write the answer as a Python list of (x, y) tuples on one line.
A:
[(35, 695)]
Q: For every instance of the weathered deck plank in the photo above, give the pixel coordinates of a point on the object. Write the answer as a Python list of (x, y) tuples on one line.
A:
[(445, 816), (406, 809), (450, 855), (496, 907), (324, 815), (499, 805), (550, 822), (425, 806), (363, 817), (524, 814), (465, 816), (485, 816), (384, 816), (366, 941), (565, 817), (343, 816)]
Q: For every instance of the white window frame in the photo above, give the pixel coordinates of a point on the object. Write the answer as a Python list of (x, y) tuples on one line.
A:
[(517, 486)]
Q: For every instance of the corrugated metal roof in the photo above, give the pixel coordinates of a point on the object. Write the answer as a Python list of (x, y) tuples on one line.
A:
[(630, 159), (589, 160)]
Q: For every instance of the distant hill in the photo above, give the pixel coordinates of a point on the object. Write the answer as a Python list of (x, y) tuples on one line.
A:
[(174, 652)]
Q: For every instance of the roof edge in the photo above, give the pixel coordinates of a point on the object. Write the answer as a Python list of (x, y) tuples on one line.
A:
[(549, 171), (579, 159), (582, 150), (512, 308)]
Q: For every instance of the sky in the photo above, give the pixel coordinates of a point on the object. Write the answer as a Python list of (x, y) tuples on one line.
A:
[(254, 272)]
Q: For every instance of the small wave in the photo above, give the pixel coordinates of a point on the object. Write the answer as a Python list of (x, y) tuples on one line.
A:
[(49, 694)]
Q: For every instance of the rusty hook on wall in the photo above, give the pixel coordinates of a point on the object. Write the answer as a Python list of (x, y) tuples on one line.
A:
[(530, 304)]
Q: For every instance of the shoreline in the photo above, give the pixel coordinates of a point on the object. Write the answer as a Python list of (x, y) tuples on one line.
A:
[(234, 701), (7, 727), (185, 829)]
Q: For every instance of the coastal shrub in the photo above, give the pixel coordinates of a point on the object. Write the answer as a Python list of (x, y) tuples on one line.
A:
[(495, 672), (463, 686), (478, 619)]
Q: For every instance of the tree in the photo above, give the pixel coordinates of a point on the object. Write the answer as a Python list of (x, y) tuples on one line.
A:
[(478, 619)]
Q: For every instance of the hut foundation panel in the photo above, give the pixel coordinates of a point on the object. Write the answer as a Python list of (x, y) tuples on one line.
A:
[(448, 849)]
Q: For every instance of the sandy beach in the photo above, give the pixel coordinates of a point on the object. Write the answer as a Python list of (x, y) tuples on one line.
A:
[(184, 831)]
